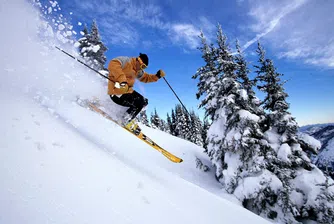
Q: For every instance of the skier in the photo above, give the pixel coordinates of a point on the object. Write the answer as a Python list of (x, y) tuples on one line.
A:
[(122, 74)]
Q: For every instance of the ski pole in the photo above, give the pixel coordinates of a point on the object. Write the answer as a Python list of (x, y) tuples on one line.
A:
[(84, 64), (176, 95)]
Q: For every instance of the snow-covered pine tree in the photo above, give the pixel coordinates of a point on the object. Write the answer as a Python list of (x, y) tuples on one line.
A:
[(299, 195), (174, 131), (83, 43), (170, 124), (143, 118), (206, 126), (187, 126), (155, 120), (98, 48), (163, 126), (182, 123), (196, 129), (208, 77), (235, 136), (246, 83), (92, 48), (220, 106)]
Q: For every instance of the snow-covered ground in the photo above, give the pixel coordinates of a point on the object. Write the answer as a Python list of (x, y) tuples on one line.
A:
[(61, 163)]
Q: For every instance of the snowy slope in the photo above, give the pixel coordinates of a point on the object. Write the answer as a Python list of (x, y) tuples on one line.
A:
[(62, 163)]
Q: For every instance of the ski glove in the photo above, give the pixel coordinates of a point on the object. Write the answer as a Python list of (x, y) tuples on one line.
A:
[(160, 74), (124, 88)]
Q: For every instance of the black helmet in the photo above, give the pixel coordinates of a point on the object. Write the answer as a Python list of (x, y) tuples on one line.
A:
[(144, 58)]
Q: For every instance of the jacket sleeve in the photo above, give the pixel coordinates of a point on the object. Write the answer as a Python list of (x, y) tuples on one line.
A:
[(145, 77), (115, 71)]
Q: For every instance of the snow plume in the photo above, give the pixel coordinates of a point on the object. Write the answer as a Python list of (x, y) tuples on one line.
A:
[(53, 24), (53, 77)]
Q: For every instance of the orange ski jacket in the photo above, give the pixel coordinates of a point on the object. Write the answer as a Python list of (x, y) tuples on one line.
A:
[(123, 69)]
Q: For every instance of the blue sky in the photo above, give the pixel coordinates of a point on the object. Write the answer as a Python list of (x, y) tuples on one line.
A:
[(296, 34)]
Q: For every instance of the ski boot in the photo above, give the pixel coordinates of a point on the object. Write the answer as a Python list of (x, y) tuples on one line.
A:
[(133, 127)]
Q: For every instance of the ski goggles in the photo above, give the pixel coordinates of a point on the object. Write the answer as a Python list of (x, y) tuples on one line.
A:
[(142, 64)]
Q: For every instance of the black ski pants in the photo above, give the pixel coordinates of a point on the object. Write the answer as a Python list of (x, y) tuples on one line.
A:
[(134, 101)]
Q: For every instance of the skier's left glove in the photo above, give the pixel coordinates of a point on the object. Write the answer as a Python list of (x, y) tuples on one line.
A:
[(160, 74), (123, 87)]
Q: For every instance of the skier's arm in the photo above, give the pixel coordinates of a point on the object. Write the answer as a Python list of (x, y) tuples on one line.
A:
[(145, 77), (115, 71)]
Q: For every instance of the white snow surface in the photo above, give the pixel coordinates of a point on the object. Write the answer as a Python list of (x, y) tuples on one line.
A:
[(248, 115), (284, 152), (62, 163), (309, 140)]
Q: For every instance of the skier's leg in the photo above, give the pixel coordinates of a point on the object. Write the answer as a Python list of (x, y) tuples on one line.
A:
[(134, 101), (137, 103)]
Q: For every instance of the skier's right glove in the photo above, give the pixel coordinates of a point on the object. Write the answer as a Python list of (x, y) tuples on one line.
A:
[(124, 88)]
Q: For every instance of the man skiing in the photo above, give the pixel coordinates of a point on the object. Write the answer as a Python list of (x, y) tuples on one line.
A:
[(122, 74)]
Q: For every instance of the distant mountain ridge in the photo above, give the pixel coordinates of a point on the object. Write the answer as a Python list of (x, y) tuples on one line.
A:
[(325, 134), (311, 128)]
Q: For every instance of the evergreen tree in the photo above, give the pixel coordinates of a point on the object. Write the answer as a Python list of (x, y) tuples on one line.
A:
[(182, 124), (170, 124), (187, 126), (155, 120), (98, 48), (83, 43), (196, 129), (208, 76), (206, 126), (240, 135), (163, 126), (242, 73), (285, 157), (92, 48), (143, 118), (173, 128)]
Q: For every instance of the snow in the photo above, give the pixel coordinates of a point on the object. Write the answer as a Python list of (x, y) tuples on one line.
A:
[(273, 138), (309, 184), (244, 114), (314, 143), (54, 3), (61, 27), (252, 185), (96, 48), (62, 163), (284, 152), (243, 94)]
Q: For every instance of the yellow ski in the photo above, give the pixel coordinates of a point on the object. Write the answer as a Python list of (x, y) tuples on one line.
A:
[(141, 136)]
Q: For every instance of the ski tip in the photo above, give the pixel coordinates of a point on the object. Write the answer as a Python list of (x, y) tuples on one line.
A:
[(178, 160)]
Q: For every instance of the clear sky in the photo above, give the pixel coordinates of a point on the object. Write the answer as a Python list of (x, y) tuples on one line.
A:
[(296, 34)]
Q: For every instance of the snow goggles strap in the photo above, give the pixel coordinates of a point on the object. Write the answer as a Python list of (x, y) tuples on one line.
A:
[(142, 64)]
